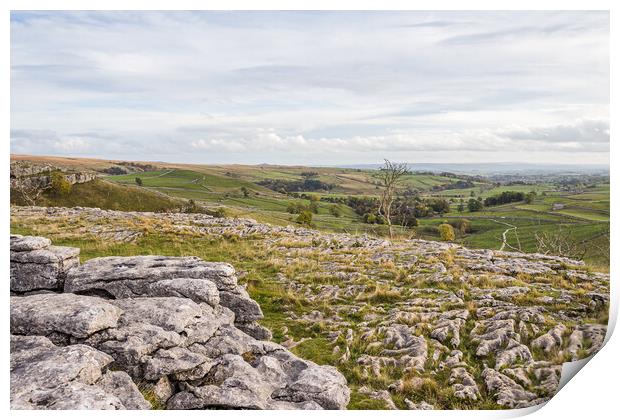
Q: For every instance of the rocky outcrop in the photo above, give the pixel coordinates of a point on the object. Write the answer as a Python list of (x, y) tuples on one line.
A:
[(550, 340), (507, 392), (155, 276), (38, 265), (430, 315), (31, 175), (61, 315), (167, 324), (45, 376), (464, 384)]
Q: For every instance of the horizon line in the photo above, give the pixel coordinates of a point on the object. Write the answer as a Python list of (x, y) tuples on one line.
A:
[(607, 165)]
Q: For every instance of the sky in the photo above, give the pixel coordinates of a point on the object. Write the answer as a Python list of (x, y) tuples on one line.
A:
[(312, 88)]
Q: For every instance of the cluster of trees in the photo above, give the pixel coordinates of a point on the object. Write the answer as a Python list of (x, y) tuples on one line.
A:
[(477, 204), (504, 198), (458, 185), (305, 211), (123, 168), (298, 207), (509, 197), (462, 225), (285, 186), (474, 204), (438, 205), (142, 166), (362, 205), (405, 209), (115, 170)]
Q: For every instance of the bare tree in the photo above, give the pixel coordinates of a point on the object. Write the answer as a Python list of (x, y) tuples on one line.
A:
[(30, 190), (559, 242), (389, 176)]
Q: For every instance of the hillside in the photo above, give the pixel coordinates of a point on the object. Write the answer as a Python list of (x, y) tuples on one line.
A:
[(409, 323), (105, 195), (565, 210)]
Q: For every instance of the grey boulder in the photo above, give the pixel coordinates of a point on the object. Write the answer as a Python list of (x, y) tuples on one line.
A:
[(44, 376), (61, 314), (157, 276), (37, 265)]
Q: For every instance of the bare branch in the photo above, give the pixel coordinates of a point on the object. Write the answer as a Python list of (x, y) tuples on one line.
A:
[(389, 175)]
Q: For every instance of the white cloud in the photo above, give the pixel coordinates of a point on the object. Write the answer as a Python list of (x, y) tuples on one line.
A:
[(311, 87), (578, 137), (580, 132)]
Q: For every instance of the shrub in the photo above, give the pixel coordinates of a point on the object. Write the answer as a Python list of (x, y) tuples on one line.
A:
[(139, 181), (217, 212), (474, 205), (446, 232), (463, 225), (304, 218), (59, 184), (370, 218), (191, 207)]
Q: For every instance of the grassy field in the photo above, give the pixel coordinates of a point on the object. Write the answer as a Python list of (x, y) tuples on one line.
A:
[(582, 214), (106, 195)]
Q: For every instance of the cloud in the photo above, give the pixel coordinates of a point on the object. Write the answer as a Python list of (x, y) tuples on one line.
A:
[(585, 132), (314, 87), (577, 137)]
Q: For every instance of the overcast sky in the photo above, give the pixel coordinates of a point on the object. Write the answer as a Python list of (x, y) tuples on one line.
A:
[(312, 87)]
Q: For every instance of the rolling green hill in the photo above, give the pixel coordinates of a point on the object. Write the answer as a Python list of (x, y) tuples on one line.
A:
[(108, 196), (580, 214)]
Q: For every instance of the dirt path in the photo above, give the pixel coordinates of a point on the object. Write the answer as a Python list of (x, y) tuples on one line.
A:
[(504, 241), (160, 175)]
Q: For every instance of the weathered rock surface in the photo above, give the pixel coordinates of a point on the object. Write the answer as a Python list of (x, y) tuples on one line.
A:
[(61, 315), (26, 174), (37, 265), (478, 323), (44, 376), (156, 276), (176, 339), (507, 391), (550, 340), (464, 384)]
